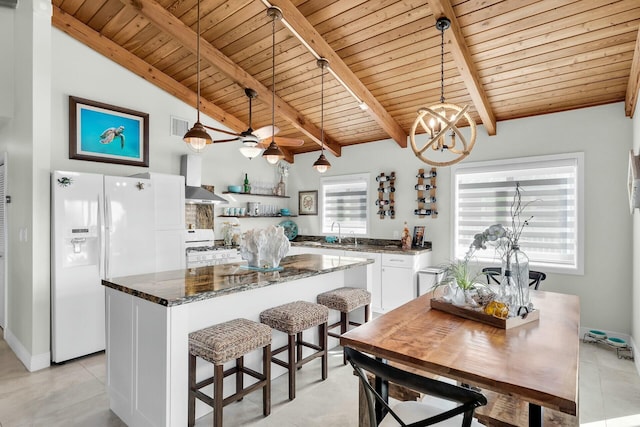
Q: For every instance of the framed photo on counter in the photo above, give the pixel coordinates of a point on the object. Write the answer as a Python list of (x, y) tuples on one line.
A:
[(418, 236), (308, 202), (105, 133)]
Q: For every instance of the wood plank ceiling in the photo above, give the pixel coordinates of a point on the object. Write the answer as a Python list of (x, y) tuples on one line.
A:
[(507, 58)]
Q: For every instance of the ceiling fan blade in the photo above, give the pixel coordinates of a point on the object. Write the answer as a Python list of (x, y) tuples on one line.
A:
[(228, 132), (224, 140), (288, 142), (266, 131)]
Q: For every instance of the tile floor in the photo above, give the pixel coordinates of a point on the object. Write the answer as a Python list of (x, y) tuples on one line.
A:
[(73, 394)]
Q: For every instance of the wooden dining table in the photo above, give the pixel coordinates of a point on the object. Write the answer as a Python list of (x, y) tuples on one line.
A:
[(536, 362)]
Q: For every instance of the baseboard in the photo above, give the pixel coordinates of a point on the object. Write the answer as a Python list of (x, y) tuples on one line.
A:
[(32, 363)]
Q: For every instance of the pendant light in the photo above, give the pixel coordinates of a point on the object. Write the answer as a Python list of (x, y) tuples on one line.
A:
[(273, 153), (322, 164), (440, 122), (197, 137)]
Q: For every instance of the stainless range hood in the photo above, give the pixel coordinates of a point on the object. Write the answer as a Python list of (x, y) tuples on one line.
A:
[(191, 169)]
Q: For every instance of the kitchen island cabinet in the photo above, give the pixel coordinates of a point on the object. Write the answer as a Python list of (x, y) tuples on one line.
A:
[(150, 316)]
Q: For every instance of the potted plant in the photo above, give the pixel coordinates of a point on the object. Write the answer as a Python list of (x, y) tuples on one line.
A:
[(462, 283)]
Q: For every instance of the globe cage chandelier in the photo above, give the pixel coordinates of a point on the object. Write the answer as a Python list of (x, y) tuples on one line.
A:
[(197, 137), (322, 164), (273, 153), (442, 119)]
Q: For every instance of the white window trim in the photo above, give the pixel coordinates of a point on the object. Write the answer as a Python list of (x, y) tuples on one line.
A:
[(366, 177), (529, 162)]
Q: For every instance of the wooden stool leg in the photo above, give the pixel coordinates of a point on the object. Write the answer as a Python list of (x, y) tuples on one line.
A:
[(322, 330), (192, 393), (344, 323), (218, 379), (266, 370), (299, 347), (367, 313), (239, 375), (291, 350)]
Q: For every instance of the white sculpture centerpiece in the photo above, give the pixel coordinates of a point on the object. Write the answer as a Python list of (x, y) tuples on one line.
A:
[(264, 248)]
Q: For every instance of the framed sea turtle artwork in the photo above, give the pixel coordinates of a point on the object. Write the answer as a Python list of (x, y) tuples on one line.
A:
[(101, 132)]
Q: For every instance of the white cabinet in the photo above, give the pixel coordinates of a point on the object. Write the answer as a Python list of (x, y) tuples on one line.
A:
[(170, 223), (375, 280), (399, 278)]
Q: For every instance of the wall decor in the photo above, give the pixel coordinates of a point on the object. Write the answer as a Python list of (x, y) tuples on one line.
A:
[(101, 132), (426, 188), (418, 236), (386, 195), (308, 202)]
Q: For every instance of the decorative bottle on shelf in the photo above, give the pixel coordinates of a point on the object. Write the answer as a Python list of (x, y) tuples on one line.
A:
[(382, 202), (431, 174), (246, 188), (424, 187), (422, 211), (390, 212), (384, 178), (281, 187), (426, 199), (387, 190)]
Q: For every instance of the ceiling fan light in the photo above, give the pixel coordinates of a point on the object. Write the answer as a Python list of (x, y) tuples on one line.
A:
[(197, 137), (273, 153), (322, 164), (250, 151)]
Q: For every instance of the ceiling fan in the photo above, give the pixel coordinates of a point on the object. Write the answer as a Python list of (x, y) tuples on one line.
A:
[(258, 139)]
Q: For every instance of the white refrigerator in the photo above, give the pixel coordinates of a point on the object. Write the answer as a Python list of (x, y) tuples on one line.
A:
[(101, 227)]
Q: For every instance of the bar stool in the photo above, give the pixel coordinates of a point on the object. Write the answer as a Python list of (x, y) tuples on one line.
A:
[(292, 319), (345, 300), (221, 343)]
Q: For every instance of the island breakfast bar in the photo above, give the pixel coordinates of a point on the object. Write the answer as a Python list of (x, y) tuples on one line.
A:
[(150, 316)]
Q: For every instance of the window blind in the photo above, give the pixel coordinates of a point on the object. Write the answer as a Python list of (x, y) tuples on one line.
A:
[(345, 202), (550, 192)]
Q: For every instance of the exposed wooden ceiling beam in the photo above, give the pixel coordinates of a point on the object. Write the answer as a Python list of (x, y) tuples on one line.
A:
[(76, 29), (466, 67), (309, 34), (633, 86), (170, 24)]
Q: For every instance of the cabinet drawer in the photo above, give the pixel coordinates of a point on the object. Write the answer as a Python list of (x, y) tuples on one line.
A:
[(392, 260)]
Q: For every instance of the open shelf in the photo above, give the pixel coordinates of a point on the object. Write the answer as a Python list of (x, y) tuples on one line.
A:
[(259, 195), (258, 216)]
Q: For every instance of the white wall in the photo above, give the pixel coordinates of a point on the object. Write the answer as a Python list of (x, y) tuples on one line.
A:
[(604, 134), (635, 327)]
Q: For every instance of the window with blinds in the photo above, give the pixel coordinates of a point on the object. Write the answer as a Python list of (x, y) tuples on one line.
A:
[(552, 193), (344, 201)]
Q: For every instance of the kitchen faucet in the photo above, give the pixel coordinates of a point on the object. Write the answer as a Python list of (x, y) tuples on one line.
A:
[(355, 239), (339, 231)]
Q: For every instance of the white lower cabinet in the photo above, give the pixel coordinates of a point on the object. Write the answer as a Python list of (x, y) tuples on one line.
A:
[(394, 278), (399, 278)]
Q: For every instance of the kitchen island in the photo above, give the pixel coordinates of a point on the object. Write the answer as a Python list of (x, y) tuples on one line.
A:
[(150, 316)]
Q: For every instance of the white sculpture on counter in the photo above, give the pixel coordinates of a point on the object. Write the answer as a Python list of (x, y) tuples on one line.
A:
[(264, 248)]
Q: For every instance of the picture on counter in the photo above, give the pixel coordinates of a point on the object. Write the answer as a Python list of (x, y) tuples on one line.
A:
[(418, 236), (308, 202), (105, 133)]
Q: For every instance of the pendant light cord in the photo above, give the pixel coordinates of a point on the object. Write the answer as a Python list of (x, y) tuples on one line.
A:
[(442, 65), (322, 108), (273, 78), (198, 61)]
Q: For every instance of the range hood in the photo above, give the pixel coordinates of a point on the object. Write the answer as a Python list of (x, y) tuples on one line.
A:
[(191, 169)]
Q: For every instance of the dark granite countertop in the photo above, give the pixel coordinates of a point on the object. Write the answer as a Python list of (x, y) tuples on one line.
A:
[(364, 245), (177, 287)]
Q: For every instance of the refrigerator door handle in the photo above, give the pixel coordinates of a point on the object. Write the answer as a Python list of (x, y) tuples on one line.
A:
[(101, 247), (107, 232)]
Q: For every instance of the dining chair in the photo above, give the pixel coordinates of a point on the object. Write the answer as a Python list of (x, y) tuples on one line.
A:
[(411, 412), (494, 273)]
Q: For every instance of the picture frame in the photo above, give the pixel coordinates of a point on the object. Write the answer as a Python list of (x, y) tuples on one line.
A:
[(100, 132), (633, 181), (418, 236), (308, 202)]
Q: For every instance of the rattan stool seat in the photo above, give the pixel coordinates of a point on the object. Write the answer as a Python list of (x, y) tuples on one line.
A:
[(295, 317), (345, 299)]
